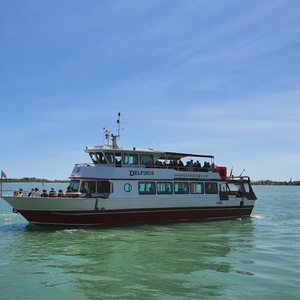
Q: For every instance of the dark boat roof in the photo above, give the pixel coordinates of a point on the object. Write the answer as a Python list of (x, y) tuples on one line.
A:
[(178, 155), (169, 155)]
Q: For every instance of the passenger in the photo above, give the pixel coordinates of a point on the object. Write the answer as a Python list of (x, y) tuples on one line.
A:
[(197, 166), (37, 192), (16, 193), (32, 193), (69, 192), (52, 193), (149, 165), (44, 194), (21, 191), (61, 194)]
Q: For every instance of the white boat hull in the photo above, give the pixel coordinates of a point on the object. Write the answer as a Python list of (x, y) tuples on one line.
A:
[(98, 211)]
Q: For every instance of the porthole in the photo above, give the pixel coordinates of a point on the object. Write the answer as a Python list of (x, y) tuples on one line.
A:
[(127, 187)]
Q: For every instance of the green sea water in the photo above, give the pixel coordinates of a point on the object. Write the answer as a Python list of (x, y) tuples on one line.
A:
[(245, 258)]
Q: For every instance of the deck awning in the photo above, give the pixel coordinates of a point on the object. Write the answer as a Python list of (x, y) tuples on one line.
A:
[(179, 155)]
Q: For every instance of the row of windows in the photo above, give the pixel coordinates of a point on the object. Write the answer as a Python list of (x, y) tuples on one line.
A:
[(95, 187), (151, 188), (125, 158)]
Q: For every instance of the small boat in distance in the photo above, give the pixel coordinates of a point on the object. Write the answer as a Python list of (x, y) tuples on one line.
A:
[(129, 185)]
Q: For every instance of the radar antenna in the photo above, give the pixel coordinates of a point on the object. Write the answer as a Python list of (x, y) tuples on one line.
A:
[(113, 137)]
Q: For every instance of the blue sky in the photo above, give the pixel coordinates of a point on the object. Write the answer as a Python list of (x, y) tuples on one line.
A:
[(213, 77)]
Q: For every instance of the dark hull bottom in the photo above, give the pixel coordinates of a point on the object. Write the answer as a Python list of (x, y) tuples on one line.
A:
[(102, 217)]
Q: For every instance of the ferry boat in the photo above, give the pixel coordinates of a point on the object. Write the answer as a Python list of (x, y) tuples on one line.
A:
[(129, 185)]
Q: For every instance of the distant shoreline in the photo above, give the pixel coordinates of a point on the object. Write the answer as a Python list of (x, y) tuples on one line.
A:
[(270, 182), (33, 180), (41, 180)]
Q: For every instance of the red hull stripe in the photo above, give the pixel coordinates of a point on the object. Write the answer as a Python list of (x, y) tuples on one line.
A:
[(99, 217)]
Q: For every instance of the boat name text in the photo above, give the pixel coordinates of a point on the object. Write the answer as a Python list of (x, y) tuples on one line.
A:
[(133, 173)]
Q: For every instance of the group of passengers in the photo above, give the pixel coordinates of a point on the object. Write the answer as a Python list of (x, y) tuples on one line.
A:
[(35, 192), (171, 163), (190, 165)]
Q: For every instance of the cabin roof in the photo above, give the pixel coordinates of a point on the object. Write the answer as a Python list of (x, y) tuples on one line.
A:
[(178, 155), (169, 155)]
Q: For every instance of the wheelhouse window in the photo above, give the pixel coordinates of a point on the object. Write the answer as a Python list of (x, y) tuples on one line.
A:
[(124, 158), (146, 158), (75, 185), (133, 159), (146, 188), (103, 186), (211, 188), (196, 188), (118, 158), (101, 158), (164, 188), (88, 186), (109, 157), (94, 158), (181, 187)]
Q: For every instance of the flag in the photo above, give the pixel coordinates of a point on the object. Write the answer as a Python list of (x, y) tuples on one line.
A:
[(3, 175)]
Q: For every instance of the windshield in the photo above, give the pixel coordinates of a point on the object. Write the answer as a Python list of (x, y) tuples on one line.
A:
[(75, 185)]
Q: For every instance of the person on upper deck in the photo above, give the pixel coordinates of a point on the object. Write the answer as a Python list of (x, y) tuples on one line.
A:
[(149, 165), (21, 191)]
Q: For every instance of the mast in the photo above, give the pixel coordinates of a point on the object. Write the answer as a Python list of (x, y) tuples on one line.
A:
[(113, 137)]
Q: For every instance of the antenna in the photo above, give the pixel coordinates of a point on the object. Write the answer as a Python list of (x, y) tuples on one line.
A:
[(242, 172), (114, 137)]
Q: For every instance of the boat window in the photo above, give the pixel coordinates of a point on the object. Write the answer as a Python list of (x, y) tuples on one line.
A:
[(146, 158), (125, 158), (103, 187), (211, 188), (118, 158), (146, 188), (94, 158), (246, 186), (181, 187), (88, 186), (110, 157), (127, 187), (164, 188), (241, 187), (101, 158), (133, 159), (222, 187), (75, 185), (232, 187), (197, 188)]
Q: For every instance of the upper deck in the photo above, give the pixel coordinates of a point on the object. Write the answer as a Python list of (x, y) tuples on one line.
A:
[(140, 158)]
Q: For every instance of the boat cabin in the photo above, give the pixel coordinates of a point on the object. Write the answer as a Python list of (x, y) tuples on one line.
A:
[(150, 159)]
